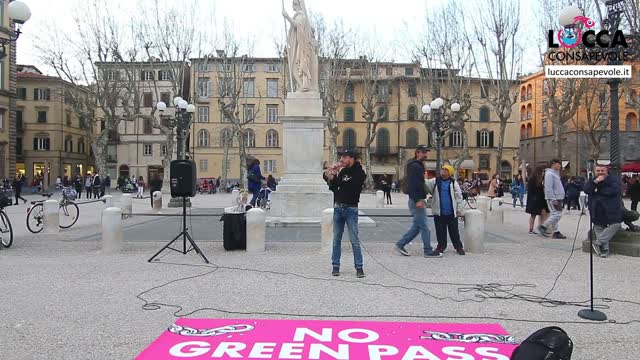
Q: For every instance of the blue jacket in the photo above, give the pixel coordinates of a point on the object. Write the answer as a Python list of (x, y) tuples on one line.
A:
[(415, 180), (255, 186), (604, 201)]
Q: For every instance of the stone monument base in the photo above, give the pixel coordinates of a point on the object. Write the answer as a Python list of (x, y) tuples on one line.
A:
[(623, 243)]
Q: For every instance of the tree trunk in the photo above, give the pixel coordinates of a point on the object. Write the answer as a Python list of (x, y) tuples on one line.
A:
[(225, 161), (166, 162), (333, 145), (557, 142), (242, 150), (503, 127), (367, 160)]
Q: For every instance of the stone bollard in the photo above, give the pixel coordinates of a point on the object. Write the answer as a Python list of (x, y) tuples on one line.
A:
[(483, 204), (107, 203), (326, 223), (157, 200), (112, 230), (474, 227), (234, 196), (256, 230), (126, 204), (379, 199), (51, 217), (496, 214)]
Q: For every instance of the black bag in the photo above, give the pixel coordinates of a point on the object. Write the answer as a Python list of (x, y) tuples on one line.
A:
[(234, 231), (550, 343), (5, 200), (629, 215), (253, 177)]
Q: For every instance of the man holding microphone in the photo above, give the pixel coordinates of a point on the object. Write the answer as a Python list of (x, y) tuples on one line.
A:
[(345, 179)]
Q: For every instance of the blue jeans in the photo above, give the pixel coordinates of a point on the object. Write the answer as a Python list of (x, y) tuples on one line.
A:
[(419, 226), (348, 215), (255, 197)]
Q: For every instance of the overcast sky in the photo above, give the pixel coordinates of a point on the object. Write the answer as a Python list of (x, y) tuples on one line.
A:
[(385, 21)]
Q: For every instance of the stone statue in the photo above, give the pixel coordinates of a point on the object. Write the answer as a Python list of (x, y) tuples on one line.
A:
[(302, 49)]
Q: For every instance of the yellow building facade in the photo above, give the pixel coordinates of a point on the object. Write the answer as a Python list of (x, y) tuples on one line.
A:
[(7, 99), (51, 139)]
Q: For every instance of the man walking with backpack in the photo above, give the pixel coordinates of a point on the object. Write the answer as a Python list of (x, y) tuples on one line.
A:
[(554, 194), (414, 186)]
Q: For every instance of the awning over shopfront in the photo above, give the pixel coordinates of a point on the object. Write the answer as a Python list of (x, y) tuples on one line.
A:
[(633, 167), (382, 169), (430, 165), (466, 164), (604, 162)]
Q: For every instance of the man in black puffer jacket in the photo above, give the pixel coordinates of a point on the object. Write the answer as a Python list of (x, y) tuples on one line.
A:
[(604, 208), (345, 179)]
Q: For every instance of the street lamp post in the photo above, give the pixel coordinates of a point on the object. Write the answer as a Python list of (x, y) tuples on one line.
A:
[(19, 13), (439, 124), (181, 121), (614, 14)]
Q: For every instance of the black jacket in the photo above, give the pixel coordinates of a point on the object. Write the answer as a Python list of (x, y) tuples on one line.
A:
[(604, 202), (347, 185), (155, 185), (415, 180), (634, 191)]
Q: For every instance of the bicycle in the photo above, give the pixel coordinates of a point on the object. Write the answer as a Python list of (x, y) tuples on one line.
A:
[(469, 197), (6, 230), (68, 213)]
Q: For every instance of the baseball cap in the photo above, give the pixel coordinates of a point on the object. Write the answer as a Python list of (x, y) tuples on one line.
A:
[(424, 148), (349, 152)]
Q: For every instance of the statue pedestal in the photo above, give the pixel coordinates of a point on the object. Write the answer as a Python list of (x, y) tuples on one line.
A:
[(301, 194)]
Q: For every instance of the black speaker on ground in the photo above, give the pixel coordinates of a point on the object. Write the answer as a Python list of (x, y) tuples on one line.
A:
[(183, 178)]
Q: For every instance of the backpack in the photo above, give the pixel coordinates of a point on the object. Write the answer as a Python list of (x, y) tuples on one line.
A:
[(550, 343)]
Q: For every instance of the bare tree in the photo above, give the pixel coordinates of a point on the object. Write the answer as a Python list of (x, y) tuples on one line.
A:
[(593, 126), (447, 73), (335, 44), (235, 84), (499, 59)]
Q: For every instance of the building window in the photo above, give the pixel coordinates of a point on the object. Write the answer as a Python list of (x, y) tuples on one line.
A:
[(270, 166), (412, 138), (456, 139), (21, 93), (484, 138), (408, 71), (348, 114), (249, 138), (147, 127), (272, 88), (19, 123), (18, 146), (203, 138), (203, 114), (203, 67), (248, 67), (349, 139), (382, 141), (147, 149), (204, 165), (165, 75), (484, 161), (41, 143), (68, 145), (42, 116), (204, 88), (226, 137), (147, 100), (81, 146), (2, 119), (111, 75), (483, 91), (383, 113), (81, 122), (412, 89), (412, 113), (272, 68), (603, 119), (349, 93), (529, 134), (165, 97), (389, 71), (248, 87), (41, 94), (67, 117), (544, 126), (248, 113), (383, 91), (146, 75), (224, 117), (272, 114), (272, 138), (164, 149), (484, 114)]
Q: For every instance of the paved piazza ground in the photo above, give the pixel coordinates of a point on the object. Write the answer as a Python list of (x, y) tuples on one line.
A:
[(62, 298)]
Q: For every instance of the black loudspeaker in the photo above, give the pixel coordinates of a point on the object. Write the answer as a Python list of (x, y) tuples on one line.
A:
[(183, 178)]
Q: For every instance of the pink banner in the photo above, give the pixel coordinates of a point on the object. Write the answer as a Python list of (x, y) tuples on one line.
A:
[(313, 339)]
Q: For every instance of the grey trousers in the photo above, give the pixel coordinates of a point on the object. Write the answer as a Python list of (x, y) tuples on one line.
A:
[(604, 234), (553, 220)]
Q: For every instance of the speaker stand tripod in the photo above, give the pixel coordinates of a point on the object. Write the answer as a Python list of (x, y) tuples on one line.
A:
[(185, 236), (590, 313)]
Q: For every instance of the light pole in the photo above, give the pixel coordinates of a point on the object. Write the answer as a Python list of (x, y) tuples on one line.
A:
[(614, 13), (440, 123), (19, 13), (181, 121)]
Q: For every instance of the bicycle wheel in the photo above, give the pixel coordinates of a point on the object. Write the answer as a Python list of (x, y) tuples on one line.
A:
[(35, 218), (68, 213), (6, 231), (471, 201)]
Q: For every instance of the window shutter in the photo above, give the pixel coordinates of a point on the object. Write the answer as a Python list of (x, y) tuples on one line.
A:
[(491, 139), (160, 74), (451, 140), (478, 138), (48, 93), (142, 75), (35, 143), (35, 94), (46, 144)]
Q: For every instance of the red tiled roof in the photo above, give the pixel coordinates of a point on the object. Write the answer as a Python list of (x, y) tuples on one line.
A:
[(30, 75)]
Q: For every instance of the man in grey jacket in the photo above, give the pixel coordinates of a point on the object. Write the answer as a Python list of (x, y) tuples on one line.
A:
[(554, 194)]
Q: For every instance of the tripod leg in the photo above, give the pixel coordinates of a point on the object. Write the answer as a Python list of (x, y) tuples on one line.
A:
[(164, 247), (196, 248)]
